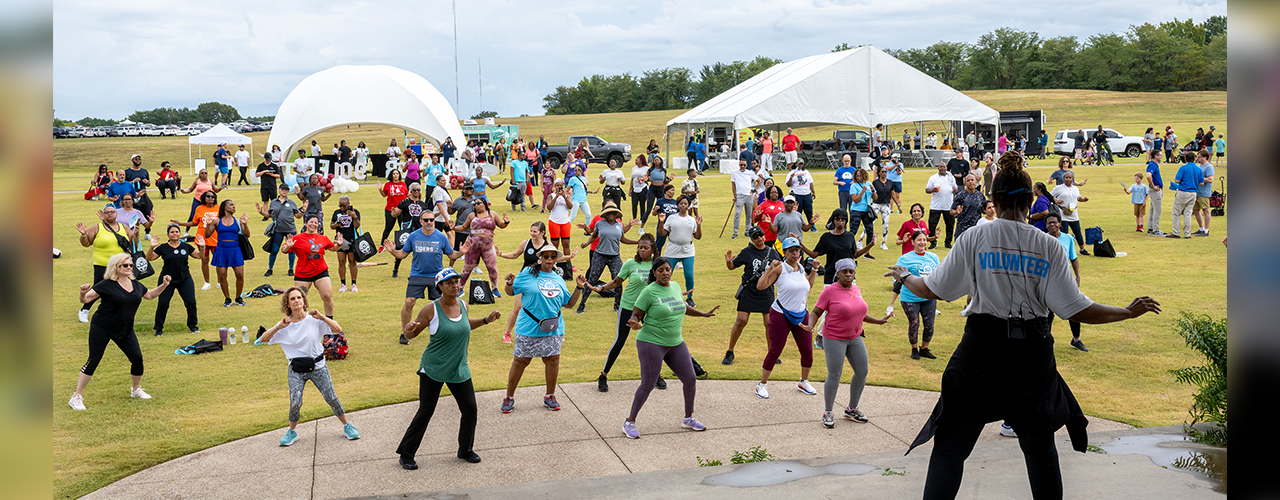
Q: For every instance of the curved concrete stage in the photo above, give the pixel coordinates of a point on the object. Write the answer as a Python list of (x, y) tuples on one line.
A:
[(582, 440)]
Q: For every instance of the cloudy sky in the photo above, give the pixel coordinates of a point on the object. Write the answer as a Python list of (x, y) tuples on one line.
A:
[(112, 58)]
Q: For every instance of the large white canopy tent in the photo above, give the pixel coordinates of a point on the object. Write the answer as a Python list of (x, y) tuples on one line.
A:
[(349, 95), (216, 135), (860, 87)]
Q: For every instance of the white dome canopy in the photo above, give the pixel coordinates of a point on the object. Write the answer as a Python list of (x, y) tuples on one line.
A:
[(349, 95)]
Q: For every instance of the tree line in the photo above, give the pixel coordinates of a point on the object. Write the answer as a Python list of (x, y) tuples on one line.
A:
[(1168, 57), (1171, 56), (209, 112)]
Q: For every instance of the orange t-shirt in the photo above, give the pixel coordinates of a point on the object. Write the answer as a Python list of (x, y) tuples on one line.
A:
[(203, 216)]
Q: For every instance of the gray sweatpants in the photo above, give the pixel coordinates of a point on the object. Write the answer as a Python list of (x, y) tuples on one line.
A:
[(837, 351), (742, 202), (319, 377), (1154, 211)]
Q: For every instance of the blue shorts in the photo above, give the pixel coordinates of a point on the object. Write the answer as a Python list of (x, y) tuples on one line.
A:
[(897, 186), (224, 169)]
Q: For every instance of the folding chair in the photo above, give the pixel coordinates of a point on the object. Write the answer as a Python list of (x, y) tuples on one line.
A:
[(833, 160)]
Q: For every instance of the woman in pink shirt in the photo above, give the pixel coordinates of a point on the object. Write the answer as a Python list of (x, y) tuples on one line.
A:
[(766, 152), (842, 338)]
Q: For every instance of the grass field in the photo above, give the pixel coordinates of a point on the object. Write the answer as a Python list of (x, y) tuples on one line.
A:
[(201, 401)]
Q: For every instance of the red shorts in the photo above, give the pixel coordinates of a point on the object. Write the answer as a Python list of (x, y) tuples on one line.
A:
[(558, 231)]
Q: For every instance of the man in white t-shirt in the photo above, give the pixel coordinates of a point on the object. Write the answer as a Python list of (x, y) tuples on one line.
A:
[(941, 188), (441, 200), (315, 149), (744, 184), (242, 161)]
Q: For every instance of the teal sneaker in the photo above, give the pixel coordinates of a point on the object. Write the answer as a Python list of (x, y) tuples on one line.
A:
[(289, 437), (350, 431)]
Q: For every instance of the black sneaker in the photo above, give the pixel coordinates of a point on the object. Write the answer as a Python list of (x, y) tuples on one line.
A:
[(602, 383), (239, 301), (159, 331), (689, 302), (855, 415), (267, 274), (728, 358), (403, 341), (581, 308), (924, 353), (698, 372), (291, 272), (470, 457), (933, 245), (662, 384), (194, 330), (227, 303), (408, 463), (915, 353), (1083, 251), (1076, 343), (869, 256), (948, 245), (395, 274)]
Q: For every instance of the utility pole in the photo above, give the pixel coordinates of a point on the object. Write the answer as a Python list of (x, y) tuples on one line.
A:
[(456, 107)]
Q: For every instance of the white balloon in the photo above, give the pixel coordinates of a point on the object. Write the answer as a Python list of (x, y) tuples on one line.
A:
[(355, 186), (341, 188)]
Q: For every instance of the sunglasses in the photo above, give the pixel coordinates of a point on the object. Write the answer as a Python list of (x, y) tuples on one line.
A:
[(426, 219), (126, 266)]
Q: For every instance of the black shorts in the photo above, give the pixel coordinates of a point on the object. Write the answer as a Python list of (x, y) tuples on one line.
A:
[(443, 227), (459, 238), (751, 300), (312, 279), (1220, 154), (420, 287)]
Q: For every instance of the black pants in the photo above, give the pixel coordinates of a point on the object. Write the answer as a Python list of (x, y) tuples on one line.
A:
[(170, 185), (98, 340), (1074, 227), (933, 224), (640, 202), (428, 395), (98, 273), (389, 224), (598, 262), (243, 176), (953, 443), (624, 331), (187, 290)]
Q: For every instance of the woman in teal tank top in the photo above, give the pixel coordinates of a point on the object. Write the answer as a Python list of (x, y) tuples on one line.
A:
[(444, 362)]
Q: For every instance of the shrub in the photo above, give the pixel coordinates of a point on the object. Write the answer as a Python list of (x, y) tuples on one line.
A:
[(1209, 338), (756, 454)]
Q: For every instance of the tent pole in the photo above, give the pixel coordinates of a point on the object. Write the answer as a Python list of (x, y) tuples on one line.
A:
[(191, 164)]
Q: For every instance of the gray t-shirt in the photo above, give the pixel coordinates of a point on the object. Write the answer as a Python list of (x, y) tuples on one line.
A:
[(282, 214), (462, 208), (610, 236), (789, 223), (313, 195)]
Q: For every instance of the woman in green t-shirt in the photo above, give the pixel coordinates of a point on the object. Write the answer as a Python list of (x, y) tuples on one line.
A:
[(636, 273), (444, 361), (662, 304)]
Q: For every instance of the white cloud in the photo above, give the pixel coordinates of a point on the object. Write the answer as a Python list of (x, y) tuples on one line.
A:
[(112, 58)]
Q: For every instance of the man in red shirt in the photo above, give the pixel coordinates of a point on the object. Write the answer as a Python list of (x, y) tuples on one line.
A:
[(790, 148)]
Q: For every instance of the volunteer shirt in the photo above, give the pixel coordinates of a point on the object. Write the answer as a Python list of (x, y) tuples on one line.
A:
[(680, 231), (345, 223), (637, 276), (835, 247), (921, 265), (445, 358), (801, 182), (867, 192), (788, 223), (754, 261), (1206, 190), (1137, 194), (428, 252), (789, 143), (743, 181), (941, 200), (282, 214), (845, 311), (664, 310), (845, 175), (543, 296), (303, 339), (1069, 197), (310, 250), (117, 309), (1009, 269)]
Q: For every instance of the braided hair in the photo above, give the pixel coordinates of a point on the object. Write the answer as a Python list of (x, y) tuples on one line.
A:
[(1011, 186)]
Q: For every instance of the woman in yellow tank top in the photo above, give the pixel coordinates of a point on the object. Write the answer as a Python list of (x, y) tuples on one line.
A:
[(102, 238)]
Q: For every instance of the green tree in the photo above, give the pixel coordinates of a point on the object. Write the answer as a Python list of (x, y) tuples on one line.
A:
[(668, 88), (1052, 65), (1215, 27), (96, 122), (719, 77), (484, 114), (843, 47), (997, 60), (1105, 64), (216, 112), (58, 122)]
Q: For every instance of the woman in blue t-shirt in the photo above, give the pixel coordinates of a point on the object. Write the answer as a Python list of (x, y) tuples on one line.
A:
[(577, 184), (920, 262), (539, 329)]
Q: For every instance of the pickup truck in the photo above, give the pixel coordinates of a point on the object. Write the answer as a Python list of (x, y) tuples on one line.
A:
[(600, 148), (860, 139)]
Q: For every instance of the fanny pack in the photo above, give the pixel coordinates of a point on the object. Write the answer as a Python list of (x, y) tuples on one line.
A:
[(545, 325), (304, 365), (793, 317)]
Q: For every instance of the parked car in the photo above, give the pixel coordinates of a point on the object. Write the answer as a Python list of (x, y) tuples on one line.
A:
[(1064, 143), (602, 150)]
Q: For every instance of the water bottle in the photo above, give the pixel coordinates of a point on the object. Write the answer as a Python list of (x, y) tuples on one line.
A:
[(231, 336), (244, 334), (222, 334)]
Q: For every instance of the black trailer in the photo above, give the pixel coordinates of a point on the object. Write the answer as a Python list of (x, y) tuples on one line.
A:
[(1026, 123)]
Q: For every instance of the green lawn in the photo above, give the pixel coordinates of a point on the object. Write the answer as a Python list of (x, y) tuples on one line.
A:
[(202, 401)]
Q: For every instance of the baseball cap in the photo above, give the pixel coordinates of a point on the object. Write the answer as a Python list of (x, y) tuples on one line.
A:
[(445, 274), (789, 198), (136, 155), (754, 232), (790, 242)]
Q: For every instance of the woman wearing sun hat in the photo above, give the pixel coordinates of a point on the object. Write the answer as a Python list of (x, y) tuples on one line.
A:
[(611, 233), (539, 328)]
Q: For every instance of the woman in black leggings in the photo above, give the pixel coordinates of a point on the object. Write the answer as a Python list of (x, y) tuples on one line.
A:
[(113, 322), (175, 254)]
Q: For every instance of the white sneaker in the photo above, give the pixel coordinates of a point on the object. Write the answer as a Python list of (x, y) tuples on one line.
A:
[(937, 312), (353, 288), (761, 390), (679, 265), (1007, 431), (206, 286), (477, 271), (343, 289), (83, 315), (884, 246), (806, 388), (139, 393), (77, 402)]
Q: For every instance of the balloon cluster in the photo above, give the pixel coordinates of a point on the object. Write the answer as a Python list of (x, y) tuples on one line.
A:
[(340, 184)]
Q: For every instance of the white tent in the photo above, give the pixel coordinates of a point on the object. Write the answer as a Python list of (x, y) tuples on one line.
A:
[(216, 135), (348, 95), (862, 87)]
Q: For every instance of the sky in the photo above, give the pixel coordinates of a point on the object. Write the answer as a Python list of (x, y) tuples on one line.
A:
[(113, 58)]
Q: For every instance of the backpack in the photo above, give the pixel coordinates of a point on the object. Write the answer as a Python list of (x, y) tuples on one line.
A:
[(335, 346), (200, 347), (260, 292)]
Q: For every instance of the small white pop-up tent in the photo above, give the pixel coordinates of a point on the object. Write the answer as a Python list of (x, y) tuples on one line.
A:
[(861, 87), (218, 134), (349, 95)]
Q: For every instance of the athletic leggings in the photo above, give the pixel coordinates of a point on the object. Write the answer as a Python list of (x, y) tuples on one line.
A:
[(464, 393), (837, 351), (954, 441), (651, 358), (195, 202), (99, 272), (598, 263), (640, 206), (688, 272), (547, 189), (98, 340), (1074, 227), (624, 331), (389, 225), (778, 329), (580, 205), (277, 239), (916, 311), (187, 290), (481, 248), (320, 378)]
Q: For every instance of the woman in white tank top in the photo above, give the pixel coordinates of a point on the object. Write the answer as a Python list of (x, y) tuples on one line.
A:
[(789, 314)]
